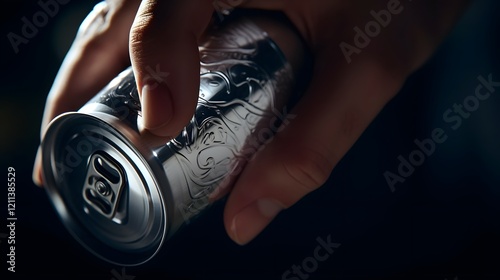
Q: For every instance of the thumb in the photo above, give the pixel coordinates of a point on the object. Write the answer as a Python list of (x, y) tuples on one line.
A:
[(165, 58)]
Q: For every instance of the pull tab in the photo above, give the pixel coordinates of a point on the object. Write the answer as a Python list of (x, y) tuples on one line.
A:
[(104, 184)]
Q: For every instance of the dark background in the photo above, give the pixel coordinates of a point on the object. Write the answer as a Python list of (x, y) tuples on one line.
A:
[(441, 223)]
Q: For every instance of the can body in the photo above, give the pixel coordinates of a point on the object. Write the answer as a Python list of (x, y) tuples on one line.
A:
[(121, 192)]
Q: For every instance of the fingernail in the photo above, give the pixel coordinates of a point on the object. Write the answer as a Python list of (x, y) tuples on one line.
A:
[(247, 224), (157, 106), (37, 169)]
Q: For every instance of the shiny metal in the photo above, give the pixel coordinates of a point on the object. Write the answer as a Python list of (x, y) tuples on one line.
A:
[(121, 192)]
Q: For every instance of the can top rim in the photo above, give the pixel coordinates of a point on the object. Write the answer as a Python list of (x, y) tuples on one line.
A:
[(132, 229)]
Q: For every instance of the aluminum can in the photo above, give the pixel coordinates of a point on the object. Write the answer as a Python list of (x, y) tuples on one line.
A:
[(122, 192)]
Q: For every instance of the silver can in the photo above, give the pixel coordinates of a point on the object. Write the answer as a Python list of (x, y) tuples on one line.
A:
[(122, 193)]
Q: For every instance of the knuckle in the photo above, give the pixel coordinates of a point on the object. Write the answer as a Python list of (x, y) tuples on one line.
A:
[(106, 27), (96, 33), (95, 22)]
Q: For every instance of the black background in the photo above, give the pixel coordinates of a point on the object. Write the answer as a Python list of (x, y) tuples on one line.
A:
[(441, 223)]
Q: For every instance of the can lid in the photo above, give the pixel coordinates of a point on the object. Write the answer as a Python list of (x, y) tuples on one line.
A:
[(103, 187)]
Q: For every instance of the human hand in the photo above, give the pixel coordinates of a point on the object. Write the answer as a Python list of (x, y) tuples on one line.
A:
[(349, 85)]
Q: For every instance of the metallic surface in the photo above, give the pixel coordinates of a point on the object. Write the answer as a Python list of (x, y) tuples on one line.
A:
[(121, 192)]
